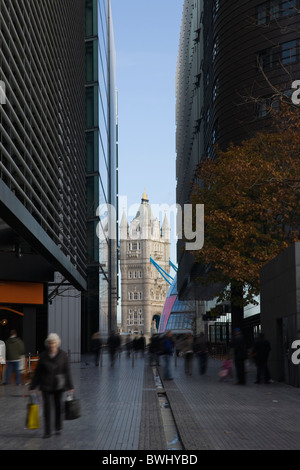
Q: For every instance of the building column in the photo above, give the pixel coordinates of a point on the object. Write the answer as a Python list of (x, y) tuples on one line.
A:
[(29, 329)]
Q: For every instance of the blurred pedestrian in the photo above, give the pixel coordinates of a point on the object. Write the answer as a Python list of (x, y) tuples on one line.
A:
[(260, 354), (187, 350), (240, 356), (154, 349), (96, 347), (14, 350), (201, 350), (142, 344), (168, 350), (226, 368), (113, 344), (128, 346), (53, 377)]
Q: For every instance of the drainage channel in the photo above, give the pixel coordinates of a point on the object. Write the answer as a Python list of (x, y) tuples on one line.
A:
[(170, 429)]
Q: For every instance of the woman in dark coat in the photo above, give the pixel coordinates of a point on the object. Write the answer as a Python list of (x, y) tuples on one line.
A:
[(53, 377)]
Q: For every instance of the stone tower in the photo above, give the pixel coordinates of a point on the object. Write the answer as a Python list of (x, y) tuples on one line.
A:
[(143, 289)]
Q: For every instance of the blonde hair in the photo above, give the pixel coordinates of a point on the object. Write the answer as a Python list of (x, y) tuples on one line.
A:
[(53, 337)]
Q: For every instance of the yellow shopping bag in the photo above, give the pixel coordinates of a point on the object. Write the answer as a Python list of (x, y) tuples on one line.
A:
[(33, 416)]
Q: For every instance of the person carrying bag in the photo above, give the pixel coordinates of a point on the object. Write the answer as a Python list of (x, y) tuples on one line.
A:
[(53, 377)]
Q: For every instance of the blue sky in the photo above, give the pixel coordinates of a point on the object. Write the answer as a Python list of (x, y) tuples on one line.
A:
[(147, 39)]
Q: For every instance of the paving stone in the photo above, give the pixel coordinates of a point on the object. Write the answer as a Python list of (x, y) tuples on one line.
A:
[(121, 411)]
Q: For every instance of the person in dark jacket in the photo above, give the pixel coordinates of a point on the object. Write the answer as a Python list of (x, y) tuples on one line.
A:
[(14, 350), (53, 377), (260, 354), (168, 350), (113, 344), (201, 349)]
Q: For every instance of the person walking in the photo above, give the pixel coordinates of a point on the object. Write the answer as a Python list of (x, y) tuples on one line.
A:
[(168, 350), (188, 353), (260, 354), (53, 377), (113, 344), (201, 350), (14, 350), (240, 355), (96, 347), (226, 368)]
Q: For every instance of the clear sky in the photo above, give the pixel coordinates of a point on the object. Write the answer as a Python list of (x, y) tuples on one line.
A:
[(147, 38)]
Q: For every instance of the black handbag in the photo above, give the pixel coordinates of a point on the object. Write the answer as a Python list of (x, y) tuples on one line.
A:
[(72, 408)]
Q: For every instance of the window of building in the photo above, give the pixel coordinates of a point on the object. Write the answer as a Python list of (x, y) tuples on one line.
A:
[(216, 7), (207, 78), (262, 15), (289, 7), (215, 133), (266, 105), (216, 48), (274, 9), (215, 90), (130, 275), (285, 53), (207, 117), (289, 52), (135, 296), (269, 58)]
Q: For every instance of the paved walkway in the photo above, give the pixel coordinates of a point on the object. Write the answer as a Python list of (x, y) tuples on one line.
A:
[(129, 407)]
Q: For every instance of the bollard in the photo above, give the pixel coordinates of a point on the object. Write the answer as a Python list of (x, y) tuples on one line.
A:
[(101, 358), (175, 360), (132, 359)]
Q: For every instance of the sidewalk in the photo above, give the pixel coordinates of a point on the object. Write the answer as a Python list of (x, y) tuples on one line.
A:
[(129, 407)]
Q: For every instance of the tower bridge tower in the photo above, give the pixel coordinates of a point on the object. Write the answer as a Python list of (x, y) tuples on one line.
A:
[(143, 290)]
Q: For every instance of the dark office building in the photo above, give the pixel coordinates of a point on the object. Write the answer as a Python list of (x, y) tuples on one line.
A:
[(44, 282), (232, 57)]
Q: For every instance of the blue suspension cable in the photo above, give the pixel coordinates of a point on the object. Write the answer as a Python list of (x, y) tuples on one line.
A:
[(162, 271)]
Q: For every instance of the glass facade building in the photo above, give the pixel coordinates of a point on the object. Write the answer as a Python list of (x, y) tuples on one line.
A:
[(177, 315), (101, 168)]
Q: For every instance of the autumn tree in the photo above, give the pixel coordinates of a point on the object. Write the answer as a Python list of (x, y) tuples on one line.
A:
[(251, 197)]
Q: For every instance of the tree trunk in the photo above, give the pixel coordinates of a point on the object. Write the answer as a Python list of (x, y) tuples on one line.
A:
[(237, 309)]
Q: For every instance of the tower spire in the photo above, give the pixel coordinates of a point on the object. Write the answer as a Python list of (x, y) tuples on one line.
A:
[(145, 197)]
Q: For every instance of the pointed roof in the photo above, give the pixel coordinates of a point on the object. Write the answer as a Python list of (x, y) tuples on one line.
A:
[(124, 222), (165, 224)]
